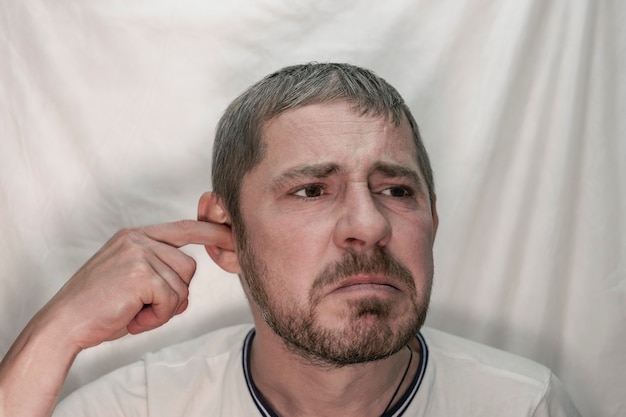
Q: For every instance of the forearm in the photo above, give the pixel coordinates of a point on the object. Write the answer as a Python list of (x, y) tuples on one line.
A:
[(136, 282), (33, 371)]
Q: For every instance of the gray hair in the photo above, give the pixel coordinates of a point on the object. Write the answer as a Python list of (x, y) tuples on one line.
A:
[(238, 146)]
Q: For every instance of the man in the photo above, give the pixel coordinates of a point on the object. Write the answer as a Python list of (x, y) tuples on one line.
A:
[(324, 205)]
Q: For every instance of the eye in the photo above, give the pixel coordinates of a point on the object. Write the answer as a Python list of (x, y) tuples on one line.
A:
[(310, 191), (397, 192)]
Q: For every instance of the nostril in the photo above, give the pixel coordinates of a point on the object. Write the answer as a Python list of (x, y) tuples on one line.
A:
[(354, 241)]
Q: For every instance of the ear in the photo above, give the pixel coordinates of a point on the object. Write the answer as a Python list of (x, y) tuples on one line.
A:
[(211, 209)]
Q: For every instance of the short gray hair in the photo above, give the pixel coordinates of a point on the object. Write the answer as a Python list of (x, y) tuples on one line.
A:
[(238, 146)]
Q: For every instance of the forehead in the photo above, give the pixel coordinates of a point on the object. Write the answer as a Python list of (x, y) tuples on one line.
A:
[(336, 133)]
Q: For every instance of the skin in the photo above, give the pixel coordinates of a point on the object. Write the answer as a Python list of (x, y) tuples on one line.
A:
[(139, 279), (135, 283), (326, 187)]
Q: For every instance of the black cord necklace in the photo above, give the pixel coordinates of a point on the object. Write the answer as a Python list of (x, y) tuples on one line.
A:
[(406, 371)]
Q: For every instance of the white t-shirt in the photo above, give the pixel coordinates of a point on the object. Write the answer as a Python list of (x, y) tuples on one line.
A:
[(209, 376)]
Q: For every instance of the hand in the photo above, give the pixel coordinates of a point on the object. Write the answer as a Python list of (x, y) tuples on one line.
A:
[(135, 283)]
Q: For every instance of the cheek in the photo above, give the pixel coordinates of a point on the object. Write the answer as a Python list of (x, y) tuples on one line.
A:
[(292, 250), (412, 244)]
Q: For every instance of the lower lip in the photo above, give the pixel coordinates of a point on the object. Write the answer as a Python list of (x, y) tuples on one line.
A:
[(369, 288)]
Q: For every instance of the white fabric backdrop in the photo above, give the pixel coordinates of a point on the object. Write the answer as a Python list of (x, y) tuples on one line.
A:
[(107, 111)]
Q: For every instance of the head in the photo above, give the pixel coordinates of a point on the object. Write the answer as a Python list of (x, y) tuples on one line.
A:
[(322, 174), (239, 147)]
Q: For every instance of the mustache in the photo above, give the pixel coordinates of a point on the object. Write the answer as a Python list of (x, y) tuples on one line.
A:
[(354, 263)]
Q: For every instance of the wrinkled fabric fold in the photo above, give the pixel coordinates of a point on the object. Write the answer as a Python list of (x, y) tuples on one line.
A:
[(107, 112)]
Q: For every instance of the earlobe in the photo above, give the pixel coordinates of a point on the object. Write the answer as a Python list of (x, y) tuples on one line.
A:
[(211, 209)]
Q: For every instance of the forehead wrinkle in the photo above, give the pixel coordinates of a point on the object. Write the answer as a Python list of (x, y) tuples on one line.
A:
[(315, 171)]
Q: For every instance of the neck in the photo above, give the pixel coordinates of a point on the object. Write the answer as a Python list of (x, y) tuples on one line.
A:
[(293, 386)]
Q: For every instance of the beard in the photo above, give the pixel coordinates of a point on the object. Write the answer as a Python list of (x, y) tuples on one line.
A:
[(374, 329)]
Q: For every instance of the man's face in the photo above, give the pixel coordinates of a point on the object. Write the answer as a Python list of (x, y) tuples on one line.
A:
[(337, 247)]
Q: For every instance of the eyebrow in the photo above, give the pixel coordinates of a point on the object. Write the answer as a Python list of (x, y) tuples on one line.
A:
[(317, 171), (325, 170), (397, 171)]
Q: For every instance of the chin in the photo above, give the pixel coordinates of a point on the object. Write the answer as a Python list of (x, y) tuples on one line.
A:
[(370, 332)]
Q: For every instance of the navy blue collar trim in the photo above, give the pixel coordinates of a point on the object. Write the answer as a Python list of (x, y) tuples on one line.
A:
[(396, 411)]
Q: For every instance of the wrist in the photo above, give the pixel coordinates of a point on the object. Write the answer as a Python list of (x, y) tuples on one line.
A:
[(40, 357), (56, 332)]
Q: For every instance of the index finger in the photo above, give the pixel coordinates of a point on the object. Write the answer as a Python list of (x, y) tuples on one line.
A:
[(185, 232)]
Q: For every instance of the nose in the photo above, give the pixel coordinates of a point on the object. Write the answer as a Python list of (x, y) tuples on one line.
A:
[(362, 222)]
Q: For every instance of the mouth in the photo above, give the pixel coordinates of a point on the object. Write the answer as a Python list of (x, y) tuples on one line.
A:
[(366, 282)]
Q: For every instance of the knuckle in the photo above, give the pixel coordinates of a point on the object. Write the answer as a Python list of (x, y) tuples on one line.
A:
[(178, 288), (184, 293), (135, 251), (129, 235), (140, 271), (173, 287), (185, 226), (189, 267), (172, 299)]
